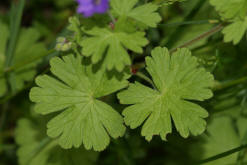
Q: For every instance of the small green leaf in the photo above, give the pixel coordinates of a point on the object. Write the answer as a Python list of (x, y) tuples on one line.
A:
[(114, 44), (35, 148), (27, 48), (83, 117), (223, 134), (178, 79), (233, 11), (231, 34), (145, 14), (230, 9)]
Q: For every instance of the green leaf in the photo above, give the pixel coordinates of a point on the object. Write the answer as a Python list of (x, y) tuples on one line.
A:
[(114, 45), (145, 14), (178, 79), (35, 148), (4, 33), (83, 117), (223, 135), (231, 34), (27, 48), (230, 9), (235, 12)]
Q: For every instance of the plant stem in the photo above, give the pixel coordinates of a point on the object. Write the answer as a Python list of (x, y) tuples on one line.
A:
[(224, 154), (31, 60), (198, 38), (189, 23), (111, 16), (230, 83), (144, 77)]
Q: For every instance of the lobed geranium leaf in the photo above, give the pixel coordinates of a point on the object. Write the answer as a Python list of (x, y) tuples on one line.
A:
[(83, 117), (145, 14), (114, 45), (178, 79)]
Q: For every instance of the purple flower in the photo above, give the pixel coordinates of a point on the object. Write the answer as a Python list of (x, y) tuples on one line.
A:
[(90, 7)]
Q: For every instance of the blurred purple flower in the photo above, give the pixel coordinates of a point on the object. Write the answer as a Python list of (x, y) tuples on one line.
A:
[(90, 7)]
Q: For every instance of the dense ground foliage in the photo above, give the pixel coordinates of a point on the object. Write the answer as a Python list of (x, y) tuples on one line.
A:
[(125, 82)]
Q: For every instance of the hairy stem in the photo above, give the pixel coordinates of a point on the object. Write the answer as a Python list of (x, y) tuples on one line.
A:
[(200, 37)]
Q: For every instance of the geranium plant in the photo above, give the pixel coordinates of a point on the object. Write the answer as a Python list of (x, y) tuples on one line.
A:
[(124, 82)]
